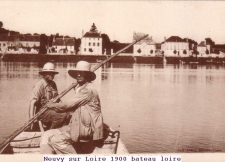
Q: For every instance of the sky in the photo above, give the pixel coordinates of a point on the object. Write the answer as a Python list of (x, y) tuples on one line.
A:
[(196, 20)]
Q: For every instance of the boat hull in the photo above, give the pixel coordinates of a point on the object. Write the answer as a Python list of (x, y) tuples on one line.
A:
[(29, 143)]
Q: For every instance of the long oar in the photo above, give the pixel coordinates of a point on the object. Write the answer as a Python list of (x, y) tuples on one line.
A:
[(44, 108)]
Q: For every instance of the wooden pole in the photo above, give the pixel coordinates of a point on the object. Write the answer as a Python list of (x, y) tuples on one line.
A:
[(44, 108)]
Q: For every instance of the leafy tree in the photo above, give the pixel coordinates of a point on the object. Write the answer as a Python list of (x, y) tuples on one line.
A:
[(50, 40), (175, 51), (28, 49), (139, 50), (195, 52), (57, 35), (185, 52), (106, 44), (209, 41), (53, 49), (1, 24), (151, 51), (118, 46), (77, 45), (3, 31), (207, 51), (43, 44), (93, 28), (216, 51)]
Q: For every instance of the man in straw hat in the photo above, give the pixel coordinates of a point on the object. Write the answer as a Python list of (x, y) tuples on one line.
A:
[(43, 91), (86, 122)]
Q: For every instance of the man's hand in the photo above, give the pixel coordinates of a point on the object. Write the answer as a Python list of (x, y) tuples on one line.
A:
[(50, 104)]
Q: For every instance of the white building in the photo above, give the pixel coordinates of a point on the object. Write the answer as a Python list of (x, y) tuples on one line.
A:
[(29, 44), (62, 46), (203, 49), (19, 43), (175, 46), (145, 47), (91, 42)]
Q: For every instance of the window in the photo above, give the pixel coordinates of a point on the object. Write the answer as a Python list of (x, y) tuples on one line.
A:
[(84, 49), (89, 44), (93, 44), (0, 44), (98, 44)]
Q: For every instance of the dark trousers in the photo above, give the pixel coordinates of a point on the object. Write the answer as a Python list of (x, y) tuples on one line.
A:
[(53, 119)]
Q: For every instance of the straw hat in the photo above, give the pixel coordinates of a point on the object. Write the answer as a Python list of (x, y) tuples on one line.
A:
[(83, 66), (48, 67)]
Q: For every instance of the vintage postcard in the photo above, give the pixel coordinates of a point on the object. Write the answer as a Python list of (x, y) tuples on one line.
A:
[(112, 80)]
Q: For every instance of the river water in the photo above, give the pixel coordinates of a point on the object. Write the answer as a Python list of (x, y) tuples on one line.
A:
[(157, 108)]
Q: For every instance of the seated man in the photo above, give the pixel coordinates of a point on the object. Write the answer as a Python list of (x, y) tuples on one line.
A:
[(43, 91), (86, 122)]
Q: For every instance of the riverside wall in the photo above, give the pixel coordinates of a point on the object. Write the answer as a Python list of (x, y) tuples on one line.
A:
[(117, 59)]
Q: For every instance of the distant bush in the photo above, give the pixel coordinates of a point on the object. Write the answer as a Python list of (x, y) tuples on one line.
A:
[(139, 50)]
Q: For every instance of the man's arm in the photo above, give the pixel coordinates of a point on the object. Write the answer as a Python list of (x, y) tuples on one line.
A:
[(31, 108), (79, 99)]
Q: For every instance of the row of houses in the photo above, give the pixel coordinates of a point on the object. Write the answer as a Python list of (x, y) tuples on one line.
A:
[(30, 44), (174, 46), (91, 44), (19, 43)]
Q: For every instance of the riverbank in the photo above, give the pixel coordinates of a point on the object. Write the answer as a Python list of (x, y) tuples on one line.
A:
[(117, 59)]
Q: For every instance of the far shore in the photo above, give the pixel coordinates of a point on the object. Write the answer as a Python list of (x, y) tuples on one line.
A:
[(123, 58)]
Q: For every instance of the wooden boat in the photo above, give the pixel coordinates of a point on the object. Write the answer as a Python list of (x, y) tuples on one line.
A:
[(29, 142)]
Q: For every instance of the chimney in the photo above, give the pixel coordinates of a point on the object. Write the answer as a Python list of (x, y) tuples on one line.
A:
[(164, 39), (82, 33), (187, 39)]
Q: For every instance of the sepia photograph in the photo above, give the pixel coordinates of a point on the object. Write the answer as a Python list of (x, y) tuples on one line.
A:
[(134, 78)]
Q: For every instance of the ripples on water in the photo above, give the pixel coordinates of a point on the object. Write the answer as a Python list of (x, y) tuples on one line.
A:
[(157, 108)]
